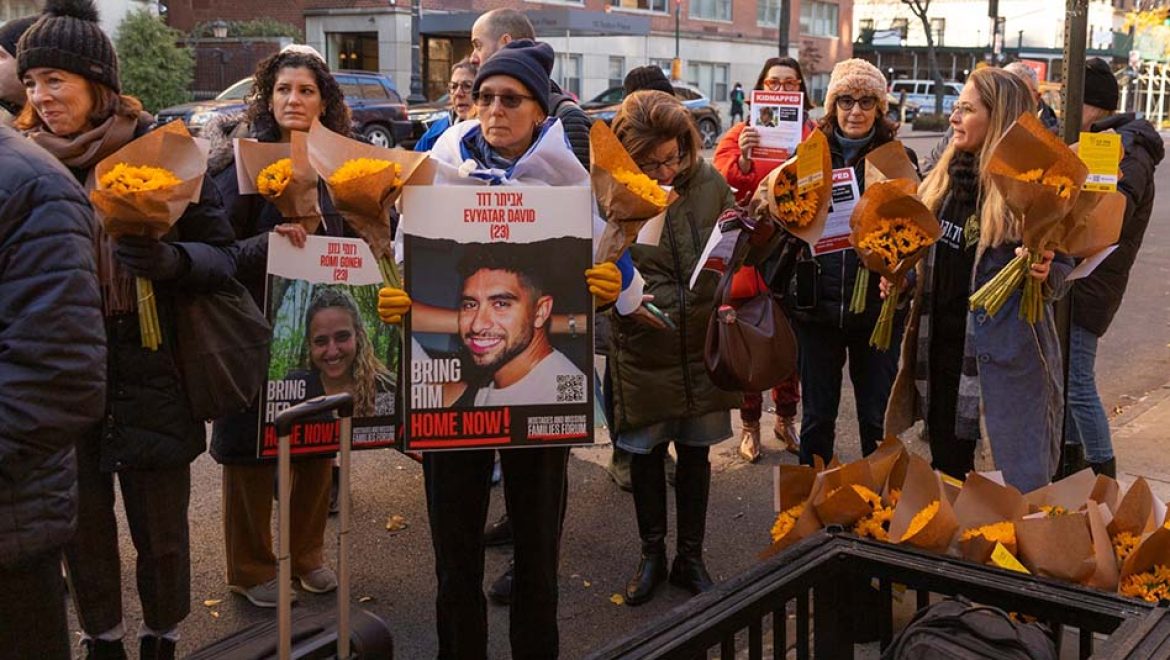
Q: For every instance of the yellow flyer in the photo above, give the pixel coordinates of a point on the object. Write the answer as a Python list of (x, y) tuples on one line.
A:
[(809, 157), (1101, 152), (1004, 559)]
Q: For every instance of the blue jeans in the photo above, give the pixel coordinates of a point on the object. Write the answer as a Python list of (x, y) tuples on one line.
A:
[(1085, 419)]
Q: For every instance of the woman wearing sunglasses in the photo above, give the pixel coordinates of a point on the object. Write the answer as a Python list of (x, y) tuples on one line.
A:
[(459, 98), (733, 159), (855, 124), (514, 142)]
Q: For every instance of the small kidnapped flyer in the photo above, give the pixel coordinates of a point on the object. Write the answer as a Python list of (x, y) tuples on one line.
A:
[(779, 119), (501, 325), (322, 302), (845, 195)]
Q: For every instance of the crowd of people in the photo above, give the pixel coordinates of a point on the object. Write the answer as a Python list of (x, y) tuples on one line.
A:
[(84, 406)]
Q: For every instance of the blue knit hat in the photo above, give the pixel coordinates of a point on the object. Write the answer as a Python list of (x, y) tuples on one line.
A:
[(528, 62)]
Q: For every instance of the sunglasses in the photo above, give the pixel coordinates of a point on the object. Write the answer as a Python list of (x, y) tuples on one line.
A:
[(655, 165), (464, 86), (846, 103), (790, 84), (510, 101)]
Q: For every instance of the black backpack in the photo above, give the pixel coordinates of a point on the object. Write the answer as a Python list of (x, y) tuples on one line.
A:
[(956, 629)]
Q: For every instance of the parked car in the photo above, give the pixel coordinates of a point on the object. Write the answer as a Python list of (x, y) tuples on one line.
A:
[(710, 122), (922, 93), (422, 115), (379, 113), (895, 111)]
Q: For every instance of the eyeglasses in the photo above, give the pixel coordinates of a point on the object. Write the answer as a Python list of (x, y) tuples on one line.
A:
[(788, 84), (846, 103), (655, 165), (510, 101), (464, 86)]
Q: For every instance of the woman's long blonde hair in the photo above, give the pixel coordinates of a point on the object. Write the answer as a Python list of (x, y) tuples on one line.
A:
[(368, 371), (1007, 96)]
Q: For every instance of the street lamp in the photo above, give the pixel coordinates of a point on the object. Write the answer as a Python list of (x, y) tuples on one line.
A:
[(219, 29), (676, 65), (416, 86)]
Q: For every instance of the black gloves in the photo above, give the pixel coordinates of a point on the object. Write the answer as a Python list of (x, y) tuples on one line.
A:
[(153, 259)]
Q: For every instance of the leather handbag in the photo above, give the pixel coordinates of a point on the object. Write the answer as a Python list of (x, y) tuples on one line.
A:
[(222, 343), (750, 347)]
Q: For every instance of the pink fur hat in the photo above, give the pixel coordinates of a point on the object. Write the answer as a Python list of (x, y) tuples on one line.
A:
[(857, 78)]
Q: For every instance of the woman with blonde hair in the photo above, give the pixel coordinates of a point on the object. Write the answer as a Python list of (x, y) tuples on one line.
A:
[(341, 356), (965, 370)]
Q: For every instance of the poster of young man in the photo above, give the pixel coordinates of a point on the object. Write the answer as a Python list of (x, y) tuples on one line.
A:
[(322, 302), (779, 119), (500, 331)]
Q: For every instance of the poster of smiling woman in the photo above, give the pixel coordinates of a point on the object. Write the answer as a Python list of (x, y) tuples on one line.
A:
[(500, 332), (322, 303)]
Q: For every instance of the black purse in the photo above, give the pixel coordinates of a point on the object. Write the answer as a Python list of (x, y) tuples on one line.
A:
[(222, 343)]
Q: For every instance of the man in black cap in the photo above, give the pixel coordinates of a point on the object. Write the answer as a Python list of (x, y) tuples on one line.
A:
[(1095, 299), (12, 95), (642, 78)]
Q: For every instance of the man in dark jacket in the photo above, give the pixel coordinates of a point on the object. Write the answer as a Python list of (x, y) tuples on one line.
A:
[(52, 386), (1095, 299)]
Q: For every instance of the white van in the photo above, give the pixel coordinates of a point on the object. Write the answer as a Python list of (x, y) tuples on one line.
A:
[(922, 93)]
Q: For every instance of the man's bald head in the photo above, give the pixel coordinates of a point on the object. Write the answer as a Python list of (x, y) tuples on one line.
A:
[(496, 29)]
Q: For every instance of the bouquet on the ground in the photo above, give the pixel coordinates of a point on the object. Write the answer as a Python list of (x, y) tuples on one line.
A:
[(890, 229), (1145, 573), (626, 197), (800, 204), (280, 172), (364, 181), (796, 517), (987, 511), (924, 517), (1040, 179), (141, 190), (1055, 538)]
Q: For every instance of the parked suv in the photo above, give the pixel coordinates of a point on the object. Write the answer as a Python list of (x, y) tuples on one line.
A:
[(922, 93), (605, 105), (379, 113)]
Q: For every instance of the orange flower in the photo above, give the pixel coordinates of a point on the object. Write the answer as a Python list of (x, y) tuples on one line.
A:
[(1152, 586), (642, 186), (273, 179), (793, 209), (123, 178), (1124, 544), (355, 168), (786, 521), (894, 239), (920, 519), (1000, 532)]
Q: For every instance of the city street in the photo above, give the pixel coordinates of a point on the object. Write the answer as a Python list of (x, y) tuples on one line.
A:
[(393, 570)]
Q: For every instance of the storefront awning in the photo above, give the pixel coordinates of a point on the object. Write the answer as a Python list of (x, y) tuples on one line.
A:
[(553, 22)]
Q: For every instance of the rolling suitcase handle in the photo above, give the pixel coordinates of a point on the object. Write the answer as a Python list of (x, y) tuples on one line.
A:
[(343, 404)]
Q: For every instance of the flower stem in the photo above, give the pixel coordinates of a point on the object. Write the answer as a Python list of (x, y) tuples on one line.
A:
[(884, 328), (148, 328), (860, 289), (389, 271)]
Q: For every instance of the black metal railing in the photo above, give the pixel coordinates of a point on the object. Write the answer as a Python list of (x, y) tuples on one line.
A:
[(842, 591)]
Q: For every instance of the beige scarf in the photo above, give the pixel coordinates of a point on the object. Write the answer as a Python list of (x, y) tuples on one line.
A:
[(83, 152)]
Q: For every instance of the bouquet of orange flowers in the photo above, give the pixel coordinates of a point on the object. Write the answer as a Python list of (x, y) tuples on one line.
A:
[(626, 197), (890, 229), (280, 172), (1040, 179), (364, 182), (801, 207), (142, 189)]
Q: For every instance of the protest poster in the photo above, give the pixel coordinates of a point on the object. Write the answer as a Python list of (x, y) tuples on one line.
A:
[(322, 302), (501, 327), (779, 119), (845, 195)]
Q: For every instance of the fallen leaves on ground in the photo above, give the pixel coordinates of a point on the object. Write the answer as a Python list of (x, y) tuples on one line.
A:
[(617, 599), (396, 524)]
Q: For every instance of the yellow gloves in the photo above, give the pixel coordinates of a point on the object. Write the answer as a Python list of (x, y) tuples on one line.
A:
[(393, 304), (605, 283)]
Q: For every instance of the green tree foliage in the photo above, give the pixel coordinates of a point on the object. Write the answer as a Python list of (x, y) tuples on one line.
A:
[(155, 69)]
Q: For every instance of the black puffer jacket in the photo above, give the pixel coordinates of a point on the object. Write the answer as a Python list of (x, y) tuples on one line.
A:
[(52, 346), (837, 272), (233, 438), (148, 422), (1096, 298), (574, 120)]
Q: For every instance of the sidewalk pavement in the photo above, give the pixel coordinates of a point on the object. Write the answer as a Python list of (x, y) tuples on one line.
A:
[(1140, 442)]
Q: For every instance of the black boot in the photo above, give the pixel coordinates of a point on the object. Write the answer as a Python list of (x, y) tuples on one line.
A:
[(1107, 468), (691, 486), (101, 649), (155, 648), (499, 532), (648, 477)]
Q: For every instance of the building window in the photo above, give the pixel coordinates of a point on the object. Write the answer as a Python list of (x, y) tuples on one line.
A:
[(617, 71), (817, 84), (567, 73), (768, 12), (714, 10), (819, 19), (938, 26), (710, 78), (644, 5), (902, 25)]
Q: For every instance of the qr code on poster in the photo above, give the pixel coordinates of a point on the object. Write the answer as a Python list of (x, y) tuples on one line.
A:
[(571, 388)]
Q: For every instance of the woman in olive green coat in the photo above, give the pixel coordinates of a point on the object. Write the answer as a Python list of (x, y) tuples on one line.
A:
[(661, 389)]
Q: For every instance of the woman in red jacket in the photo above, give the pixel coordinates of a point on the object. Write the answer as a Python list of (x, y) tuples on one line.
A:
[(733, 159)]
